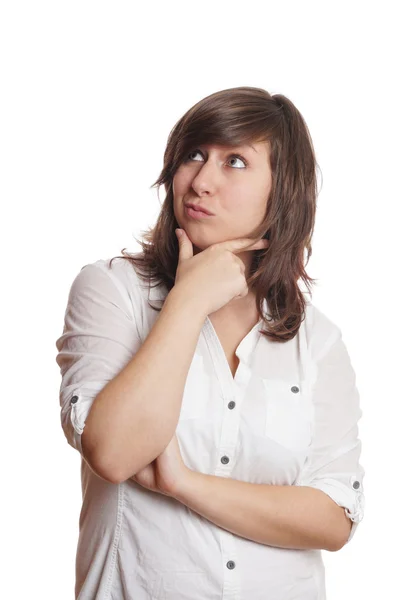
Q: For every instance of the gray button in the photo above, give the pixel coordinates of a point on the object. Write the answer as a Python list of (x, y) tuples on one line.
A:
[(231, 404), (356, 485), (295, 389), (231, 564), (225, 460), (74, 399)]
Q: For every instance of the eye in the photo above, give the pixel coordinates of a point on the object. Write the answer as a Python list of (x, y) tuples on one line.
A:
[(234, 156), (238, 157), (192, 152)]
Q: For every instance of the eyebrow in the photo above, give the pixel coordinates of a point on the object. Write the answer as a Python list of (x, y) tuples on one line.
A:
[(232, 148)]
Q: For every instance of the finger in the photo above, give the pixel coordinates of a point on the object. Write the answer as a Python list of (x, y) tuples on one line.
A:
[(244, 244), (260, 245), (185, 246)]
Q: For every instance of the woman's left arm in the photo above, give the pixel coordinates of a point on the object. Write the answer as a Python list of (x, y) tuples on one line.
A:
[(324, 506), (278, 515)]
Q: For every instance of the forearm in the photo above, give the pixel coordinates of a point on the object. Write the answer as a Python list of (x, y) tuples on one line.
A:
[(135, 415), (297, 517)]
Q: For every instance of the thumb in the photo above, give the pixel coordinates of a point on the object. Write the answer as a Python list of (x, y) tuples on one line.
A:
[(185, 245)]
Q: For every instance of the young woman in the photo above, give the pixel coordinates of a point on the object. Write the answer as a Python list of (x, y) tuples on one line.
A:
[(213, 404)]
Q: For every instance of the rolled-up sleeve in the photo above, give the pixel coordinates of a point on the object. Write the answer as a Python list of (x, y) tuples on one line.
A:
[(333, 463), (99, 338)]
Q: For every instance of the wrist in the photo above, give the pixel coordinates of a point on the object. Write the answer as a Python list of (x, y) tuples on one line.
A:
[(184, 301), (182, 489)]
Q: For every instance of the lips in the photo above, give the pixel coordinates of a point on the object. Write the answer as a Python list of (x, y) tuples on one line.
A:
[(198, 207)]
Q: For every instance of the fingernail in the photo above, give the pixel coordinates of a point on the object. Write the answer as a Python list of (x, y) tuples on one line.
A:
[(178, 232)]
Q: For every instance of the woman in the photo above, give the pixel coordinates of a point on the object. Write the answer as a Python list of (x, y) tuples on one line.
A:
[(216, 410)]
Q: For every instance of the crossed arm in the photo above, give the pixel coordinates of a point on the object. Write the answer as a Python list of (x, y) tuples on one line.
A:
[(278, 515)]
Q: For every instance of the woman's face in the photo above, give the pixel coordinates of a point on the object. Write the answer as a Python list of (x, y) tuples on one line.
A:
[(232, 183)]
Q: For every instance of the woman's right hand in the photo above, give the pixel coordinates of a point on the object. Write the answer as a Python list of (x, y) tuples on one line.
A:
[(216, 275)]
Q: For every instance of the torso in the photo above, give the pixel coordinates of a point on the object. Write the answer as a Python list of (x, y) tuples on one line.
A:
[(233, 363), (231, 329)]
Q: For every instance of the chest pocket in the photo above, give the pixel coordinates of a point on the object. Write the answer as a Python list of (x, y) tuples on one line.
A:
[(289, 414), (196, 394)]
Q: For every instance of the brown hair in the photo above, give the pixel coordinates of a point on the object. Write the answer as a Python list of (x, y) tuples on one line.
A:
[(232, 117)]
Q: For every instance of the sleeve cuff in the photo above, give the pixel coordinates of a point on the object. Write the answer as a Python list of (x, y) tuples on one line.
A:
[(350, 497), (76, 402)]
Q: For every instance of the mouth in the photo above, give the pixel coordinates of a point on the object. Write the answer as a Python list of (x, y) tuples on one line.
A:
[(191, 207), (196, 213)]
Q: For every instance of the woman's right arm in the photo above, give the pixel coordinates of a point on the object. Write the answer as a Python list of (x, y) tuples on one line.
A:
[(134, 417), (121, 398)]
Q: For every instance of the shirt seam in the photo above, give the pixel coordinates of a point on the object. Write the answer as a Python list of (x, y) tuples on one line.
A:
[(116, 540)]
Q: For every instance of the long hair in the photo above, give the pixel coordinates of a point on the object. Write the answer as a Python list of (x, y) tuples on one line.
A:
[(232, 117)]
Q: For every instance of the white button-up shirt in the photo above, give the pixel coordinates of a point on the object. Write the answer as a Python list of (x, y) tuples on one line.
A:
[(288, 417)]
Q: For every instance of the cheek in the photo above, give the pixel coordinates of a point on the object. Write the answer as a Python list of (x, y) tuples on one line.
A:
[(181, 182), (245, 212), (176, 185), (235, 199), (239, 203)]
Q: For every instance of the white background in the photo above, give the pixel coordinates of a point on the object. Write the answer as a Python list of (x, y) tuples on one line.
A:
[(89, 93)]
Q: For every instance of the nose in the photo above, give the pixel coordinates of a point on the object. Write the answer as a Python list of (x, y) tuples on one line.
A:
[(205, 181)]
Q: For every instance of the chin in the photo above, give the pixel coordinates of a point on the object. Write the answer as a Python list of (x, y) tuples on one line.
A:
[(197, 238), (196, 243)]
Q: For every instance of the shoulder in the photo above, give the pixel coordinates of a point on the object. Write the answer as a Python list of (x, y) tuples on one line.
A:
[(320, 329), (118, 267), (113, 277)]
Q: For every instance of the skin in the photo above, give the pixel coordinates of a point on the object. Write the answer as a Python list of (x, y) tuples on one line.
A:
[(235, 192), (167, 474), (282, 516)]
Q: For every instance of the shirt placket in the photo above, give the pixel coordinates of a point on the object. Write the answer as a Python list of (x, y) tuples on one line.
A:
[(233, 392)]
